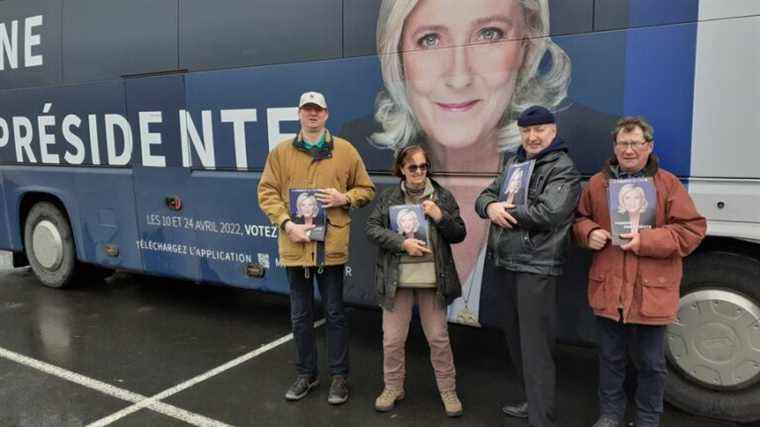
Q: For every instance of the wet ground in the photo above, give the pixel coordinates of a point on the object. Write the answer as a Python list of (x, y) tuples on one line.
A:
[(142, 351)]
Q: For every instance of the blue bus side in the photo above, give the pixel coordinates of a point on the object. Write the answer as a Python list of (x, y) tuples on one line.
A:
[(621, 71), (98, 202), (5, 226), (117, 203)]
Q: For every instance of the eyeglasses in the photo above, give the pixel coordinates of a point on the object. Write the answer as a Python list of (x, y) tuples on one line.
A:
[(418, 168), (634, 145)]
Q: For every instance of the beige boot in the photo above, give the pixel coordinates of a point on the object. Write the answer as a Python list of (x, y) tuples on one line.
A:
[(388, 398), (451, 403)]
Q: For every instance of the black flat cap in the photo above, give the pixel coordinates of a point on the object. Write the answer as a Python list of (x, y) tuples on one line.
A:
[(535, 115)]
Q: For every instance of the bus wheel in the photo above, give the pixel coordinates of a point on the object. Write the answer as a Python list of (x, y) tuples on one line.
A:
[(49, 245), (713, 347)]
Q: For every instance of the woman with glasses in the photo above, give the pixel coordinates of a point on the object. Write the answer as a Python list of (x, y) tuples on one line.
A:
[(410, 272)]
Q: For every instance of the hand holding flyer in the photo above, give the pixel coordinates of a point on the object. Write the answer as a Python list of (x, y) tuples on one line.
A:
[(410, 222), (306, 209), (330, 197)]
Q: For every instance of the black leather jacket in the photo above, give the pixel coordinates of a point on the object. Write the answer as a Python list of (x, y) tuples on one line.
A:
[(449, 230), (540, 241)]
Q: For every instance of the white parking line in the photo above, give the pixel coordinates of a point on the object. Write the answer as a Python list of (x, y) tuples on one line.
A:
[(143, 402), (67, 375), (195, 380), (149, 402), (113, 391)]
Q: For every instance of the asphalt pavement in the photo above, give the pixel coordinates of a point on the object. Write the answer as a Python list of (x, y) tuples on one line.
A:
[(146, 351)]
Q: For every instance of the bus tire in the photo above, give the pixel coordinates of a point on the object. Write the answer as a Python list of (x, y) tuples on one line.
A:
[(49, 245), (713, 348)]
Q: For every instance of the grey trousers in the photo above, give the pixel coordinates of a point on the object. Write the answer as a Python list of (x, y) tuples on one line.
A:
[(530, 328)]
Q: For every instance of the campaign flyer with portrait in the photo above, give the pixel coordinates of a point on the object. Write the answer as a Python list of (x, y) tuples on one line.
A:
[(410, 222), (632, 204), (514, 189), (305, 208)]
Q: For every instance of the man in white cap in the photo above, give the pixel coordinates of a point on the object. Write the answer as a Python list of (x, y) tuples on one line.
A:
[(316, 159)]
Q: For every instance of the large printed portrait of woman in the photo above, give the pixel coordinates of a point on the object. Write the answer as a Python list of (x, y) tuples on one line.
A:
[(456, 75)]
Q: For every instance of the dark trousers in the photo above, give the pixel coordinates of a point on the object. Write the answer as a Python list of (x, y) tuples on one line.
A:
[(649, 342), (530, 321), (330, 282)]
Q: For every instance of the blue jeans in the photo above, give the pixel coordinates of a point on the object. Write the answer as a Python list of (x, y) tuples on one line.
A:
[(330, 282), (649, 342)]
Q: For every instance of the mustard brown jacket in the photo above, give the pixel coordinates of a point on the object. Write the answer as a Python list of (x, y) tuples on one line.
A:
[(336, 165), (644, 286)]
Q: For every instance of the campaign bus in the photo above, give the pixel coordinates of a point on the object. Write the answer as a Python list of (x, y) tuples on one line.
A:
[(133, 136)]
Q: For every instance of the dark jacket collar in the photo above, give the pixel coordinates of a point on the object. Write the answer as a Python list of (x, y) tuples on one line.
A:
[(318, 153), (557, 145), (612, 167)]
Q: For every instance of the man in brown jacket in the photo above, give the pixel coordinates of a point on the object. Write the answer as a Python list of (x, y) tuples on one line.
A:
[(315, 160), (634, 288)]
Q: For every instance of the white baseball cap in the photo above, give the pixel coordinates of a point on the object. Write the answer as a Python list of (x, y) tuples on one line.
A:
[(315, 98)]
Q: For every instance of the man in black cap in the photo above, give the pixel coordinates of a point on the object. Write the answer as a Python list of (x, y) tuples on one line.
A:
[(529, 244)]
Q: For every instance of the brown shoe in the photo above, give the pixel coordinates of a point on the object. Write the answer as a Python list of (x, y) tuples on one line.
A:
[(451, 403), (388, 399)]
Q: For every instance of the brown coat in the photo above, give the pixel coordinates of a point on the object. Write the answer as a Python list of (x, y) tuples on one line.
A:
[(645, 286), (340, 166)]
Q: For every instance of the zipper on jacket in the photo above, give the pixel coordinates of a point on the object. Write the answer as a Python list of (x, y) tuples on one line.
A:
[(539, 183), (319, 259), (621, 306)]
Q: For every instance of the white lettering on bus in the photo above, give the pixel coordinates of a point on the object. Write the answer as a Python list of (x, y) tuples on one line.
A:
[(23, 141), (113, 121), (44, 122), (120, 136), (75, 141), (9, 43), (148, 138), (274, 117), (9, 46), (239, 118), (31, 40), (204, 148), (255, 230), (4, 137), (92, 120)]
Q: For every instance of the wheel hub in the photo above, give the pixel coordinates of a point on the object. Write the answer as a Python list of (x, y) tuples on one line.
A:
[(715, 341), (47, 245)]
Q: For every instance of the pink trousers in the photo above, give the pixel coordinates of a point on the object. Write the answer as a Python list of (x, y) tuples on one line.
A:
[(435, 326)]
